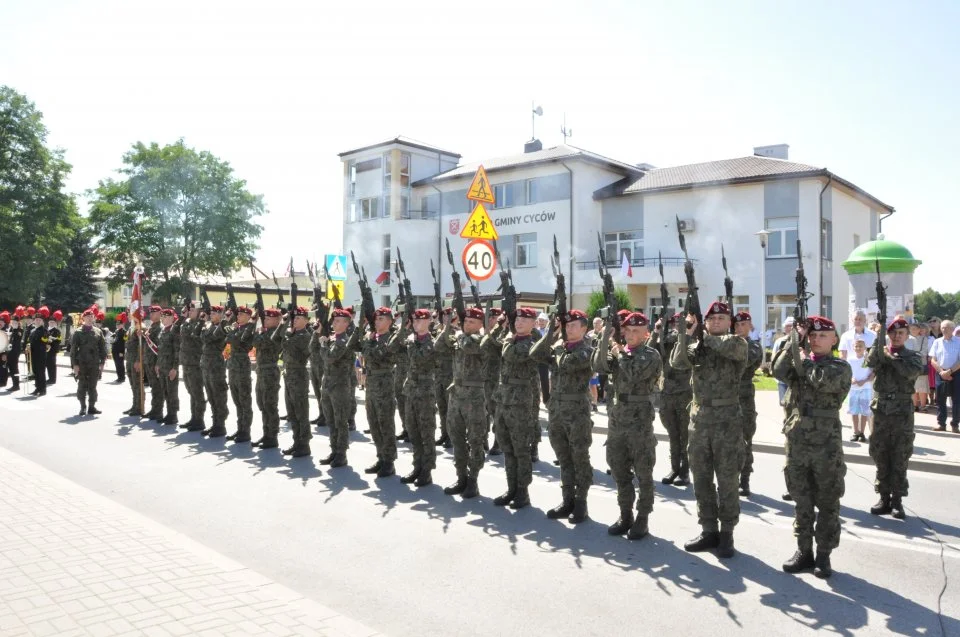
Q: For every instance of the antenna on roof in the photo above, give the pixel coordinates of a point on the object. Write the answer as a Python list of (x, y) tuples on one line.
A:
[(566, 132), (535, 110)]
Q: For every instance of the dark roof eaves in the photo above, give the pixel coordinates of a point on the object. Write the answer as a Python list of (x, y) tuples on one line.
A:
[(397, 140), (537, 162)]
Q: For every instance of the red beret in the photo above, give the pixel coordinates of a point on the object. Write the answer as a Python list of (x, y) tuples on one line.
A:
[(5, 316), (341, 313), (154, 308), (495, 311), (717, 307), (448, 311), (301, 311), (576, 315), (742, 316), (101, 316), (88, 312), (57, 315), (676, 317), (383, 311), (820, 324), (30, 310), (526, 312), (213, 308), (271, 312), (421, 314), (636, 319), (18, 311), (243, 309), (474, 313), (623, 314), (122, 317), (44, 312), (168, 311), (897, 324)]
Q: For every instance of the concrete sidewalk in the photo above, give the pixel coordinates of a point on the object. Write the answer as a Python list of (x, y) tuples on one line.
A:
[(75, 563)]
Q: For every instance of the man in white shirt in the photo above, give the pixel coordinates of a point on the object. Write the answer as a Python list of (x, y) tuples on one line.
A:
[(945, 358), (858, 331)]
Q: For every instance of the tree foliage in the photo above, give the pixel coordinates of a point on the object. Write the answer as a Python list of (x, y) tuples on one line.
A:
[(930, 303), (37, 218), (180, 213), (72, 287), (598, 301)]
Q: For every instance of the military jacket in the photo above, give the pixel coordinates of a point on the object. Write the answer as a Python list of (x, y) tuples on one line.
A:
[(421, 358), (635, 375), (339, 356), (896, 373), (214, 339), (572, 361), (191, 343), (240, 339), (38, 341), (119, 341), (519, 377), (268, 350), (296, 347), (674, 380), (154, 337), (25, 336), (132, 352), (754, 359), (16, 340), (87, 347), (716, 370), (378, 357), (168, 349), (444, 359), (492, 363), (468, 357)]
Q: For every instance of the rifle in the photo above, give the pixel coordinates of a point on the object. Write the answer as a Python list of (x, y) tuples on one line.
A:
[(259, 306), (204, 301), (692, 306), (474, 290), (437, 301), (408, 301), (279, 290), (801, 310), (664, 299), (458, 304), (367, 307), (321, 309), (231, 299), (727, 286), (293, 292), (507, 290), (609, 292), (881, 298), (559, 306)]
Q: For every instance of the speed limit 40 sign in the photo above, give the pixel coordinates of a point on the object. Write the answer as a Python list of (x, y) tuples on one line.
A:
[(479, 260)]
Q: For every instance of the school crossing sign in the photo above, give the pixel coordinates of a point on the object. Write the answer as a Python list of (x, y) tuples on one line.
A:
[(479, 225)]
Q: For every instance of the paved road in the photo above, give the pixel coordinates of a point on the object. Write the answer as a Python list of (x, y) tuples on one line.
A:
[(403, 561)]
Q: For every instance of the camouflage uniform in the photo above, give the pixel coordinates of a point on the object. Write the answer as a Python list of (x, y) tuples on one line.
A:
[(716, 445), (399, 377), (675, 397), (814, 469), (150, 361), (891, 443), (339, 357), (631, 445), (191, 349), (443, 376), (296, 353), (419, 392), (491, 381), (88, 351), (268, 346), (569, 413), (215, 375), (748, 404), (316, 379), (168, 358), (467, 415), (379, 401), (132, 357), (240, 339)]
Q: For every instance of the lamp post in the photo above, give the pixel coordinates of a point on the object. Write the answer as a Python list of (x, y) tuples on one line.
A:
[(763, 235)]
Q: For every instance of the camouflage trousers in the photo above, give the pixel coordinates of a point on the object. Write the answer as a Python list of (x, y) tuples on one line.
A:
[(193, 380), (675, 417), (891, 446), (87, 383), (296, 394), (748, 412), (316, 381), (570, 436), (632, 450), (240, 392), (133, 377), (443, 404), (215, 386), (814, 473), (398, 376), (268, 400), (170, 390), (336, 403), (513, 429), (717, 449), (380, 407), (156, 388), (422, 427), (467, 425), (490, 402)]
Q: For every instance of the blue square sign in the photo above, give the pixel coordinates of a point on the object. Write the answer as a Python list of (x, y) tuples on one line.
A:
[(337, 267)]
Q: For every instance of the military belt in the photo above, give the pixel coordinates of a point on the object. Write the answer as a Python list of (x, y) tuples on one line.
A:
[(266, 365), (810, 412), (569, 397), (470, 383), (632, 398), (379, 372), (894, 396), (517, 381), (721, 402)]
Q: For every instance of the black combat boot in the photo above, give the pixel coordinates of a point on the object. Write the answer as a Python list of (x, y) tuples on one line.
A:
[(882, 507), (508, 496), (520, 500), (301, 451), (704, 542), (351, 424), (153, 415), (268, 443), (196, 425), (495, 449), (472, 489), (374, 468), (241, 437), (386, 469), (683, 477), (725, 547), (339, 460), (443, 441), (535, 452), (802, 560), (403, 436), (623, 523), (786, 496), (639, 529), (822, 568), (217, 430), (457, 487), (412, 476), (83, 409), (896, 503), (744, 484), (93, 411), (171, 419), (672, 476), (329, 458), (579, 511), (424, 478), (318, 420), (564, 509)]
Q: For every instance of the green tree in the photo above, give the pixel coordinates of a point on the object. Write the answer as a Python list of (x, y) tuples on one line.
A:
[(930, 303), (72, 287), (597, 301), (178, 212), (37, 218)]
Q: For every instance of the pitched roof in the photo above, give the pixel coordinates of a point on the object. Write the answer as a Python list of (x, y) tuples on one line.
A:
[(547, 155), (739, 170), (406, 141)]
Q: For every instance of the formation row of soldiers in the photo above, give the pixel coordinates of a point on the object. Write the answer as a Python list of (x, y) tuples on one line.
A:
[(34, 333)]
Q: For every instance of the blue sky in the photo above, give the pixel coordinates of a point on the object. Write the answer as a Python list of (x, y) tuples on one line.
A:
[(866, 89)]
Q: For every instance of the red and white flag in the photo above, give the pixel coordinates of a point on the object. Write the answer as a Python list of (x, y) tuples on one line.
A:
[(383, 278), (625, 268), (136, 298)]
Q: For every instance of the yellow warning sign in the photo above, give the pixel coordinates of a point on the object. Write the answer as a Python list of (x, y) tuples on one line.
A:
[(480, 189), (479, 225), (339, 285)]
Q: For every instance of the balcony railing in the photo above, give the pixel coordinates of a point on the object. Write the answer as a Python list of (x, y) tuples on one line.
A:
[(653, 262)]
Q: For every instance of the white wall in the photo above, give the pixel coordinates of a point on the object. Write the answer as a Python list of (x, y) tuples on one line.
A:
[(850, 217)]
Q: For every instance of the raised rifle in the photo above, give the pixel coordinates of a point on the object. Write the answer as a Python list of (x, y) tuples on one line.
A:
[(559, 306), (204, 301), (664, 299), (279, 290), (367, 308), (231, 298), (437, 300), (507, 291), (293, 292), (801, 310), (474, 290), (881, 298), (609, 292), (458, 305), (727, 286), (408, 300), (259, 306), (692, 306)]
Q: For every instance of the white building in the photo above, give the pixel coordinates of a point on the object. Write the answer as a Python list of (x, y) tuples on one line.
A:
[(413, 196)]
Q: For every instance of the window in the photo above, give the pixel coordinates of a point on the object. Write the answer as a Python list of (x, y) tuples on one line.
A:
[(126, 291), (826, 307), (655, 307), (525, 250), (503, 195), (455, 203), (779, 308), (430, 206), (856, 240), (386, 261), (404, 170), (530, 191), (628, 243), (783, 237), (369, 208), (370, 164), (553, 187), (404, 206), (353, 211), (353, 178), (826, 240)]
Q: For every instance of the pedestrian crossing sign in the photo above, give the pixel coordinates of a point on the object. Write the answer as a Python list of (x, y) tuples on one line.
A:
[(479, 225), (337, 267), (480, 189)]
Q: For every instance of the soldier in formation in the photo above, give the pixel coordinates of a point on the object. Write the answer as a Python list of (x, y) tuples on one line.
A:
[(38, 351), (268, 351), (191, 354), (4, 347), (239, 337), (443, 375), (419, 392), (338, 353), (118, 348), (167, 367), (214, 339), (743, 325), (152, 339), (491, 380), (380, 351), (54, 344), (88, 354), (295, 339), (134, 359), (676, 393)]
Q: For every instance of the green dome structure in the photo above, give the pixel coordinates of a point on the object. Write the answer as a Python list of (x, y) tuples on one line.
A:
[(893, 257)]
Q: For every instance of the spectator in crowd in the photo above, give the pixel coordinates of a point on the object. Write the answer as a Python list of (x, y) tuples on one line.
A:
[(594, 337), (934, 324), (921, 335), (861, 392), (769, 337), (779, 345), (859, 330), (945, 359)]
